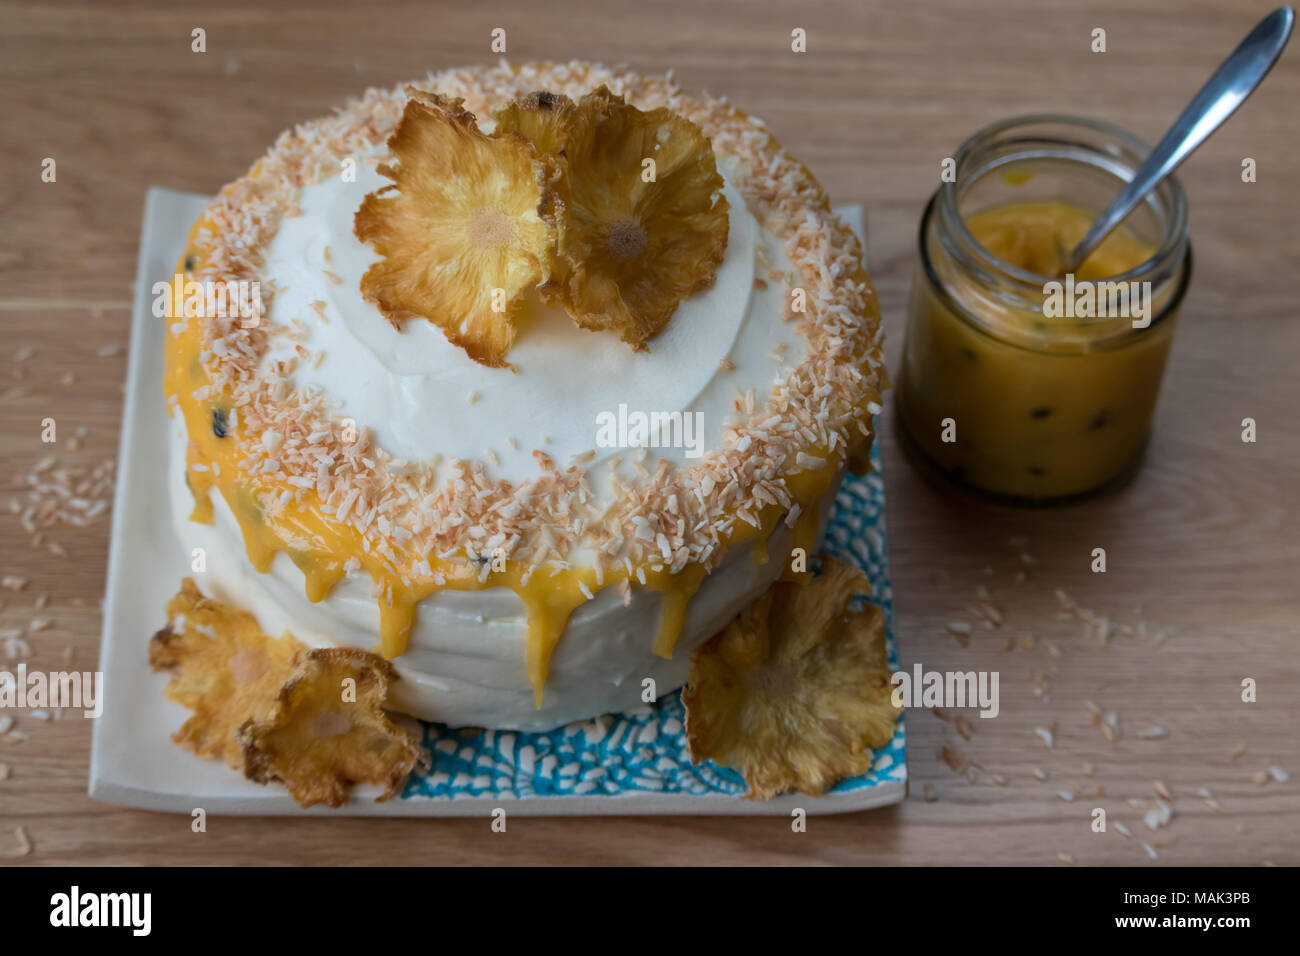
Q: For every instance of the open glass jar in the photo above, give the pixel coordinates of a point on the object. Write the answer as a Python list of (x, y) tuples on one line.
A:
[(1031, 386)]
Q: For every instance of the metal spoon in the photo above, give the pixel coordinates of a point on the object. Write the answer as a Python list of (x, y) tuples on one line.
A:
[(1227, 89)]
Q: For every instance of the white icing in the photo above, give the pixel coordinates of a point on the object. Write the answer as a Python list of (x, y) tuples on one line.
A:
[(412, 387)]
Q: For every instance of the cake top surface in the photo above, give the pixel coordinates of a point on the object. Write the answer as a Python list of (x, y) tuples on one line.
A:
[(425, 399), (504, 459)]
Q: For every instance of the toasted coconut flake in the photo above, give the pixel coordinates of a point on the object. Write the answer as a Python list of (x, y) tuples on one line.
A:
[(629, 250), (328, 730), (225, 669), (461, 229), (794, 693)]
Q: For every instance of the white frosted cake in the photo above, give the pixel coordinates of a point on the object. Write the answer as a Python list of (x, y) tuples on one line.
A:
[(456, 476)]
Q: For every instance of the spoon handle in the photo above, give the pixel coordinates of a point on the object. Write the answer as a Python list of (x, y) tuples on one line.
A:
[(1231, 83)]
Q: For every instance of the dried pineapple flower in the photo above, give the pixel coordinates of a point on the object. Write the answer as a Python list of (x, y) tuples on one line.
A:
[(328, 730), (462, 230), (542, 118), (276, 710), (794, 693), (629, 251), (225, 668)]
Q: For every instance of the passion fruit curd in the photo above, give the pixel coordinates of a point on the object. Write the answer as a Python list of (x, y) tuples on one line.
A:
[(1019, 381), (1033, 236)]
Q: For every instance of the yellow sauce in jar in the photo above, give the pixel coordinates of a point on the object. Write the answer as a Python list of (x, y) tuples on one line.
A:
[(1035, 236), (1011, 400)]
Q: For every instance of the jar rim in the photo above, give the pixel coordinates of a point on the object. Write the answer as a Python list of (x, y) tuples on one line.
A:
[(1175, 246), (1175, 233)]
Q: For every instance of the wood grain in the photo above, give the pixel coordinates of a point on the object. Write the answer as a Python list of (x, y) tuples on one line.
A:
[(1206, 542)]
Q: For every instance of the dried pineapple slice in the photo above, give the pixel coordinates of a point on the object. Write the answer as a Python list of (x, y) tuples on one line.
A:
[(225, 668), (463, 229), (542, 118), (794, 693), (629, 251), (328, 730), (274, 709)]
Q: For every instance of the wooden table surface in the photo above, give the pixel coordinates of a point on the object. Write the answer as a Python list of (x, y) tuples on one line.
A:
[(1203, 549)]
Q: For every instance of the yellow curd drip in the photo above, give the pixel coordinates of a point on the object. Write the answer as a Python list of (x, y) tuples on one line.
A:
[(678, 589), (322, 546)]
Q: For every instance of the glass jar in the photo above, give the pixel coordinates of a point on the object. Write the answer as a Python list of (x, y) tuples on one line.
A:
[(1012, 383)]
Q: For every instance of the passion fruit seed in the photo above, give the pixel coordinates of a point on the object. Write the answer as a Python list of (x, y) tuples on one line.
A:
[(1100, 420)]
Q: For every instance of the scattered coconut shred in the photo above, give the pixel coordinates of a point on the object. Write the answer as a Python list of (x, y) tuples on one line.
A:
[(23, 844), (58, 493), (62, 495), (1156, 811)]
